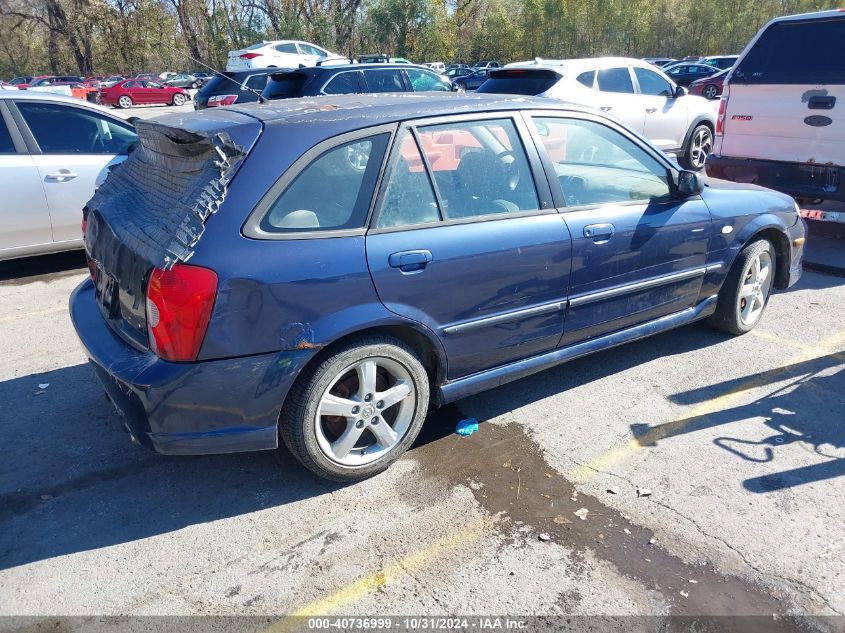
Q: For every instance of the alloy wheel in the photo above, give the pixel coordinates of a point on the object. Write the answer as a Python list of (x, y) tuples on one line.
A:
[(125, 102), (702, 145), (710, 92), (756, 284), (365, 412)]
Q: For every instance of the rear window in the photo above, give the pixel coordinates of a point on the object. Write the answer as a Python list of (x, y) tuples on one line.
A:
[(801, 52), (285, 85), (519, 82)]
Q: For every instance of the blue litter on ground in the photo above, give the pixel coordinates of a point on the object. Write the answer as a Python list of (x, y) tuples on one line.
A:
[(467, 427)]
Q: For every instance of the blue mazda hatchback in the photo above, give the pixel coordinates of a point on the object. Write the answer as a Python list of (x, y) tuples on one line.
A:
[(322, 270)]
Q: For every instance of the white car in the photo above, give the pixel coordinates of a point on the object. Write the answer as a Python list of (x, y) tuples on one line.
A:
[(277, 54), (634, 91), (781, 121), (54, 152)]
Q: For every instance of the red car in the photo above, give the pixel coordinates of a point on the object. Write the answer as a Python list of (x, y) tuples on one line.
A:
[(709, 87), (129, 92)]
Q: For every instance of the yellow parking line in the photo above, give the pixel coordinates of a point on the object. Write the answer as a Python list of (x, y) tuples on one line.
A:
[(830, 346), (363, 586), (25, 315)]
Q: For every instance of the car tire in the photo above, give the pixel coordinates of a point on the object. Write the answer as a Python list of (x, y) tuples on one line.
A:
[(711, 91), (349, 380), (194, 85), (124, 102), (699, 146), (178, 99), (745, 293), (460, 87)]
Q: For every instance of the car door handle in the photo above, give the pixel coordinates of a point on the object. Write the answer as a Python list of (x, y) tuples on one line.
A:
[(62, 174), (651, 110), (821, 103), (410, 261), (599, 233), (606, 108)]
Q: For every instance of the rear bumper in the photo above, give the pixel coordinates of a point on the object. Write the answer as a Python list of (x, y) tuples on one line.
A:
[(220, 406), (799, 180)]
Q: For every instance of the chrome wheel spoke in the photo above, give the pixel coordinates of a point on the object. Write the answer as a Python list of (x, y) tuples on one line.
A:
[(335, 405), (346, 442), (385, 436), (394, 395), (366, 377), (747, 291)]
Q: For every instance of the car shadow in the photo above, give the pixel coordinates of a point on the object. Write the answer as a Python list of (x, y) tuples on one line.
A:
[(75, 483), (20, 271), (806, 407)]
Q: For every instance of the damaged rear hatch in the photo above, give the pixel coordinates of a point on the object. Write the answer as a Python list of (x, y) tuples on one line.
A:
[(152, 209)]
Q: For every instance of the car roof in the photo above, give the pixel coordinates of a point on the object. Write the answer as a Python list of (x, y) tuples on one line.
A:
[(367, 110), (815, 15), (562, 66)]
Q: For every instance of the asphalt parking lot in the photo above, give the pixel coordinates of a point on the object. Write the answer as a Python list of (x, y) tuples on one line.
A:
[(736, 446)]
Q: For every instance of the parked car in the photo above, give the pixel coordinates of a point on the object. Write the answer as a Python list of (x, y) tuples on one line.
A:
[(472, 81), (354, 78), (722, 62), (54, 152), (276, 54), (23, 85), (148, 77), (684, 74), (5, 86), (634, 91), (228, 88), (460, 71), (487, 64), (20, 81), (660, 61), (51, 80), (182, 81), (781, 120), (131, 92), (438, 67), (709, 87), (108, 82), (212, 343)]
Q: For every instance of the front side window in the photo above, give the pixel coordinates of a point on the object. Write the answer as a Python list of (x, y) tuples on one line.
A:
[(153, 84), (61, 129), (333, 192), (389, 80), (287, 48), (615, 80), (652, 84), (597, 165), (343, 84), (422, 81)]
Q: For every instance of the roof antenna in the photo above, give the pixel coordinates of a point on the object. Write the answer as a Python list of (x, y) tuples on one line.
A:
[(261, 98)]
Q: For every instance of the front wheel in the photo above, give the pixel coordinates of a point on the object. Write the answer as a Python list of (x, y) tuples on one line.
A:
[(699, 146), (460, 87), (358, 411), (178, 99), (746, 290), (194, 85)]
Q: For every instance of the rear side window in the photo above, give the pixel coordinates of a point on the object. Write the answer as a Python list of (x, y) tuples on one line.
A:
[(519, 82), (256, 82), (801, 52), (285, 85), (343, 84), (287, 48), (6, 144), (60, 129), (615, 80), (348, 171), (409, 198), (389, 80)]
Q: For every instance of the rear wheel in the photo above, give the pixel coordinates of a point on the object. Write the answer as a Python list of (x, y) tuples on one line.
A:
[(699, 146), (178, 99), (710, 91), (125, 101), (460, 87), (194, 85), (746, 290), (357, 411)]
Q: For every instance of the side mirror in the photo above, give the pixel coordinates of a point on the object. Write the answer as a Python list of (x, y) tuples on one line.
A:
[(680, 91), (689, 184)]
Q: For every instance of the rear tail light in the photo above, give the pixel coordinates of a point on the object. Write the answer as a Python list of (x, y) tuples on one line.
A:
[(720, 120), (222, 100), (84, 225), (179, 305), (250, 55)]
